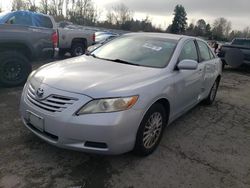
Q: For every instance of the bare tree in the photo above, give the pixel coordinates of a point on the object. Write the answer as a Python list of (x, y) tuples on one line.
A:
[(110, 18), (31, 5), (121, 14), (221, 29), (246, 32), (53, 4), (92, 15), (44, 6), (67, 8), (82, 12), (228, 28), (60, 7), (19, 5)]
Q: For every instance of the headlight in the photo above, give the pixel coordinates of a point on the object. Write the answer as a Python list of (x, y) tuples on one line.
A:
[(108, 105)]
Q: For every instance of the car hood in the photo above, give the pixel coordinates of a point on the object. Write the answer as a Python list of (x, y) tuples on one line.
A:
[(95, 77)]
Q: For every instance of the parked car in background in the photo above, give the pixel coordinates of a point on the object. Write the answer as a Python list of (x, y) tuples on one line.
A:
[(98, 44), (75, 39), (102, 37), (24, 37), (121, 96), (236, 53)]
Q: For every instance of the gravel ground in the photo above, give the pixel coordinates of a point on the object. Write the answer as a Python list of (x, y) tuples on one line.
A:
[(207, 147)]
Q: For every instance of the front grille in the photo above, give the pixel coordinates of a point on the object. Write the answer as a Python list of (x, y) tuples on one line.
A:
[(52, 103)]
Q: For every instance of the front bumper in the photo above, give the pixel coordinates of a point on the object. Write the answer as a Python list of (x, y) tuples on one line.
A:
[(104, 133)]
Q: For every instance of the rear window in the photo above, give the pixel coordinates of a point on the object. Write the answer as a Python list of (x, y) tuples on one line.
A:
[(20, 18), (42, 21), (2, 15)]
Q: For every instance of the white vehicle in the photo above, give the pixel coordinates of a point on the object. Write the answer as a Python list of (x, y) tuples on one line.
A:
[(121, 96)]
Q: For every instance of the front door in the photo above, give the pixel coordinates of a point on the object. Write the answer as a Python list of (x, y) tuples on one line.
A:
[(187, 82)]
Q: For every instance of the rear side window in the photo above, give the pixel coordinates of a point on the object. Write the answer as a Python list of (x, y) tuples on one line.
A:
[(204, 51), (42, 21), (20, 18), (189, 52), (242, 42)]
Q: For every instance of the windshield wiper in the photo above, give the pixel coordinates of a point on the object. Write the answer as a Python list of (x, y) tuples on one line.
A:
[(122, 61), (89, 54), (115, 60)]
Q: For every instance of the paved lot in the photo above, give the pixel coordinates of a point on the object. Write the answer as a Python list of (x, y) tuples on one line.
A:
[(208, 147)]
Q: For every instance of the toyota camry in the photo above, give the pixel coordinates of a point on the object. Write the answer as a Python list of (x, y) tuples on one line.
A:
[(120, 97)]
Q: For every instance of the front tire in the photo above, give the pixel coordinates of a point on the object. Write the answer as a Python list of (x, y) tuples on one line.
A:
[(150, 131), (14, 68)]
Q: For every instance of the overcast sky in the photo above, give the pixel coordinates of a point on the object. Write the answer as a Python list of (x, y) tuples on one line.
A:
[(161, 11)]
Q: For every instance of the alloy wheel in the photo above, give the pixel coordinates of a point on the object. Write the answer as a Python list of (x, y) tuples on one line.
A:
[(152, 130)]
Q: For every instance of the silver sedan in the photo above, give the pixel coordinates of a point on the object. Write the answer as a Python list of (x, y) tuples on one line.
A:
[(120, 97)]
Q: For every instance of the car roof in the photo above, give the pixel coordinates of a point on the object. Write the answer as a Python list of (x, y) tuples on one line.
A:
[(161, 35), (30, 12), (241, 39)]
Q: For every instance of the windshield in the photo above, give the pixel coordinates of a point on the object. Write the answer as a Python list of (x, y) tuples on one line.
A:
[(2, 15), (138, 50)]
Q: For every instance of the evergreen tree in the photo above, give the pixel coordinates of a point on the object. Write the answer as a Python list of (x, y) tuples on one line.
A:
[(180, 20), (200, 29), (208, 31)]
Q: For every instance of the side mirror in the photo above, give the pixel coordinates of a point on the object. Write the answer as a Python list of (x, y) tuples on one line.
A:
[(187, 64)]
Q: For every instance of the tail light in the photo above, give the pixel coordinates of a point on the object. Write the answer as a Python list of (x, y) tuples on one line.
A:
[(93, 37), (54, 39)]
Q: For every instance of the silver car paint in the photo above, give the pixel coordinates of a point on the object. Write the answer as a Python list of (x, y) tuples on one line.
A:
[(89, 78)]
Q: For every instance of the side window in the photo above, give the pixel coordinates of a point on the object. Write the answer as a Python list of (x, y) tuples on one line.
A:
[(204, 51), (189, 52), (11, 20), (42, 21), (20, 18), (211, 54), (248, 43)]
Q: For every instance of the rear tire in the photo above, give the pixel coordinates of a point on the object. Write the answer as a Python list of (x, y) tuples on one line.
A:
[(14, 68), (77, 49), (211, 97), (150, 130), (223, 64)]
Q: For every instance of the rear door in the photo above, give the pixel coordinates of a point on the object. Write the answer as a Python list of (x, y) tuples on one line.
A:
[(207, 64)]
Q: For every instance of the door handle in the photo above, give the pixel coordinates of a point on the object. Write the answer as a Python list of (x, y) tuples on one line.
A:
[(34, 30)]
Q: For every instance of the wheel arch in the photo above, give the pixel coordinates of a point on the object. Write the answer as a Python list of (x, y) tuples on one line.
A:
[(79, 40), (19, 47), (218, 78), (164, 102)]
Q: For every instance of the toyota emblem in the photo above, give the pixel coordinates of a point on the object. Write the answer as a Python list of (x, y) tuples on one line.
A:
[(39, 92)]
